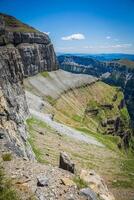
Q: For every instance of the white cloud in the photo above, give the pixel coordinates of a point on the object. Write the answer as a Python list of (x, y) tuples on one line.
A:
[(108, 37), (115, 46), (76, 36), (121, 46)]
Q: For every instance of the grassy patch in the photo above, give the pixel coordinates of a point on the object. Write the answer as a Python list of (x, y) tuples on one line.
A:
[(7, 192), (108, 140), (38, 152), (90, 106), (7, 157), (45, 74), (127, 165), (51, 100), (125, 116), (13, 24), (77, 118), (122, 184), (80, 182), (31, 121)]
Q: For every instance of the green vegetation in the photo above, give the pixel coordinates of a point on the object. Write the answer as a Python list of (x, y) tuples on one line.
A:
[(37, 151), (77, 118), (7, 157), (32, 120), (7, 192), (90, 106), (32, 140), (80, 182), (108, 140), (122, 184), (125, 116), (132, 145), (51, 100), (45, 74), (12, 24)]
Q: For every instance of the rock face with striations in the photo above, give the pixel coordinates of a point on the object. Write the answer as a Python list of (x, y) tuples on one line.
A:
[(23, 52), (35, 48)]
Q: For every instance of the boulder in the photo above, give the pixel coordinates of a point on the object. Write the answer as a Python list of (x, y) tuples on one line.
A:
[(42, 181), (88, 193), (97, 184), (65, 163)]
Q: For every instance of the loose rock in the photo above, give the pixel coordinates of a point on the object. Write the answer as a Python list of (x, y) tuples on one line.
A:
[(42, 181), (97, 184), (88, 193), (66, 163)]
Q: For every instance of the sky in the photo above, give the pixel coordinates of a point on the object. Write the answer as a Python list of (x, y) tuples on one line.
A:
[(79, 26)]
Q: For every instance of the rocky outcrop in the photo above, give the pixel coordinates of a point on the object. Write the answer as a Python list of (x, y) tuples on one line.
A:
[(66, 163), (22, 53), (35, 48), (97, 184), (13, 106)]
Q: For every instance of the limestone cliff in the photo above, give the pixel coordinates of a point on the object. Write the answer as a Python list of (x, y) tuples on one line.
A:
[(35, 48), (24, 51)]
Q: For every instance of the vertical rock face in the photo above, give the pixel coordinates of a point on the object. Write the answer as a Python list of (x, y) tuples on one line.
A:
[(13, 106), (22, 53), (37, 58), (35, 48)]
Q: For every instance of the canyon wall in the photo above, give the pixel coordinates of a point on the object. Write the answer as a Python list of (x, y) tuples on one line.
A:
[(22, 54)]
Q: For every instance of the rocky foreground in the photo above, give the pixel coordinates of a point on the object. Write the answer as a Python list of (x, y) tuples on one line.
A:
[(44, 182)]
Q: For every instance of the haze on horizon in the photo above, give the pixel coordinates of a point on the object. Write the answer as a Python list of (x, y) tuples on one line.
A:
[(79, 26)]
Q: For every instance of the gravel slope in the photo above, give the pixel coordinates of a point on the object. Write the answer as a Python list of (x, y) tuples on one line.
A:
[(63, 129), (58, 82)]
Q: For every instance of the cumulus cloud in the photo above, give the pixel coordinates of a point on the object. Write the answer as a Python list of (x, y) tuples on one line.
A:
[(76, 36), (108, 37)]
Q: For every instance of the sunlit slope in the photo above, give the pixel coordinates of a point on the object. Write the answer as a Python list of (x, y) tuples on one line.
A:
[(82, 101), (99, 107)]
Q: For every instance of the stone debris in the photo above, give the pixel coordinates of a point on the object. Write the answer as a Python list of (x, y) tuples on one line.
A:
[(97, 184), (46, 182), (42, 181), (88, 193)]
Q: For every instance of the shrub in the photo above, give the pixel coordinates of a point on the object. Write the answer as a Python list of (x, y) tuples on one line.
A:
[(7, 157), (80, 182), (6, 189)]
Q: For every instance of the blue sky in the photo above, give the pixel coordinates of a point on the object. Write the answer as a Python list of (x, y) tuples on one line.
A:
[(80, 26)]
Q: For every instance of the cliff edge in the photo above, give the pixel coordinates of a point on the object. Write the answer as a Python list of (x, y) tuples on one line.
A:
[(24, 51)]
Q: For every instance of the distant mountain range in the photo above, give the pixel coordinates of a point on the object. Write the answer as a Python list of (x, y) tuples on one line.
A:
[(103, 56)]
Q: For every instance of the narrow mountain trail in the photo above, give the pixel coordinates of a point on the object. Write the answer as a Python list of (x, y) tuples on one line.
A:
[(63, 129)]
